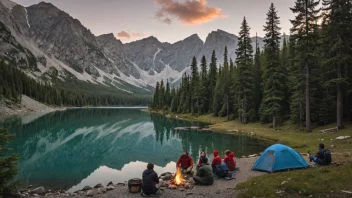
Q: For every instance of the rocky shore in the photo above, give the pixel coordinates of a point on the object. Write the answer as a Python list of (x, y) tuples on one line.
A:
[(220, 188), (27, 106)]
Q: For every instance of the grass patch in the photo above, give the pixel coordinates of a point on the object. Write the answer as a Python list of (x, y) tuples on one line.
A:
[(318, 182)]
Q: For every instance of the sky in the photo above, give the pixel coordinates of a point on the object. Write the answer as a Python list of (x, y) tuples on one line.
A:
[(170, 20)]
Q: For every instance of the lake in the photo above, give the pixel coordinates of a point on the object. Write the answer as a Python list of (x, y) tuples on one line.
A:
[(74, 148)]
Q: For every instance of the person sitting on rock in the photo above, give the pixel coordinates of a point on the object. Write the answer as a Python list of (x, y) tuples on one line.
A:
[(322, 157), (185, 162), (202, 158), (216, 165), (204, 174), (150, 182), (230, 161)]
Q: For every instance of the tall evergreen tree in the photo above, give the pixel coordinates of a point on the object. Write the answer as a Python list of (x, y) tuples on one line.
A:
[(337, 40), (167, 95), (194, 86), (244, 79), (274, 78), (7, 166), (204, 90), (304, 32), (258, 78), (212, 79)]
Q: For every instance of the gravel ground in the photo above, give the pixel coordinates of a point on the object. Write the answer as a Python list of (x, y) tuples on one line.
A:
[(220, 188)]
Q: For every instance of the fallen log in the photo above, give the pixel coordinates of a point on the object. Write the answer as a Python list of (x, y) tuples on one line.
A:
[(331, 130)]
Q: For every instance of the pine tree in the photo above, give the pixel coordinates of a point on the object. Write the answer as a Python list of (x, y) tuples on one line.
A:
[(167, 95), (212, 79), (258, 78), (161, 95), (194, 86), (7, 166), (285, 63), (204, 90), (156, 96), (274, 77), (304, 32), (337, 38), (244, 79)]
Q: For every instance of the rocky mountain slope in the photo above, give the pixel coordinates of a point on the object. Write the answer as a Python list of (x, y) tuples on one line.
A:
[(48, 43)]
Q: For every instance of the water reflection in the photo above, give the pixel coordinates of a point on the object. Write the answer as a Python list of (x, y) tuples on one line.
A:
[(74, 148)]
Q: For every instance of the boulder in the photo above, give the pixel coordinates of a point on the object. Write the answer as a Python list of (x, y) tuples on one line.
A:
[(90, 193), (87, 188), (110, 183), (100, 191), (39, 191), (342, 137), (98, 185), (110, 188), (332, 146)]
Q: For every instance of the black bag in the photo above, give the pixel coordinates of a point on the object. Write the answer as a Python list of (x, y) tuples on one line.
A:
[(327, 157)]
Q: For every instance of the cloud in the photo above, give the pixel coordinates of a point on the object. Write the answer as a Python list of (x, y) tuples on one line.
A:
[(129, 35), (190, 12)]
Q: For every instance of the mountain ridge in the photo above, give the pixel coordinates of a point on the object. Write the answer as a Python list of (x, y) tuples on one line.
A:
[(63, 48)]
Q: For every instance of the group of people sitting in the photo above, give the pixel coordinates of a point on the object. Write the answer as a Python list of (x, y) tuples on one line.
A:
[(205, 171)]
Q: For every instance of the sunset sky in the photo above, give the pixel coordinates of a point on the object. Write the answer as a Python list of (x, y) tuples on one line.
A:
[(170, 20)]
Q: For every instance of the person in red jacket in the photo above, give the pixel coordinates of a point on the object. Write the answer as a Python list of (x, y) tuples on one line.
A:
[(217, 158), (185, 162), (230, 161)]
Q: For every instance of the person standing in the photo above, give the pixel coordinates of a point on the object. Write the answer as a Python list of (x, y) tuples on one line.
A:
[(150, 181), (185, 162)]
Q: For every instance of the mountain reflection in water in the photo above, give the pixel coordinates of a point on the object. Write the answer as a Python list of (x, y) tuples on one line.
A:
[(74, 148)]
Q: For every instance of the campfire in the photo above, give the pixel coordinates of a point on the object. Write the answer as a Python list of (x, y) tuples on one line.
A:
[(176, 181), (179, 180)]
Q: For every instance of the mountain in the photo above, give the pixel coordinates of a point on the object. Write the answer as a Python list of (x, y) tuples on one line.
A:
[(49, 44)]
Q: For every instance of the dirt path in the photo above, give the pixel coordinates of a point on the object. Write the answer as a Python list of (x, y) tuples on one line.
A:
[(220, 188)]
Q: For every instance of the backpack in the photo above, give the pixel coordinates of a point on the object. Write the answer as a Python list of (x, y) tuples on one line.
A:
[(221, 170), (327, 157)]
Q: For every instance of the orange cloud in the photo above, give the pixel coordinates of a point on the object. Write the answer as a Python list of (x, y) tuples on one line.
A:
[(128, 35), (190, 12)]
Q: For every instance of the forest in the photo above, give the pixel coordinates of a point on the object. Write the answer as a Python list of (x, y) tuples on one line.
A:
[(306, 81), (14, 82)]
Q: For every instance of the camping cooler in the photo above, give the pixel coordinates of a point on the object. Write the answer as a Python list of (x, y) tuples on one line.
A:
[(134, 185)]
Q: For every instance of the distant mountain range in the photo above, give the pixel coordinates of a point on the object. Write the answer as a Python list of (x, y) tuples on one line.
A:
[(48, 43)]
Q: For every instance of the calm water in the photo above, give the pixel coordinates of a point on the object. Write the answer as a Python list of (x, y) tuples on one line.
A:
[(74, 148)]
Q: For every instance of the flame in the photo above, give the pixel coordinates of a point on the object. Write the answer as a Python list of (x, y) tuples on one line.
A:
[(178, 178)]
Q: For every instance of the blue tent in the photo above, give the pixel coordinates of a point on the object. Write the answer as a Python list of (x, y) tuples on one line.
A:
[(279, 157)]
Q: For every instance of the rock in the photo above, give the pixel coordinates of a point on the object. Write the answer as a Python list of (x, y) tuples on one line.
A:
[(181, 189), (243, 156), (99, 191), (284, 182), (87, 188), (332, 146), (110, 183), (104, 190), (167, 177), (110, 188), (189, 193), (173, 187), (342, 137), (187, 186), (98, 185), (90, 193), (120, 184), (35, 195), (30, 186), (217, 192), (39, 191), (23, 190)]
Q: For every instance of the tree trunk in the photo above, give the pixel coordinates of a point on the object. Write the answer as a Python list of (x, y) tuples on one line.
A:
[(274, 121), (308, 124), (228, 107), (339, 101), (339, 108)]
